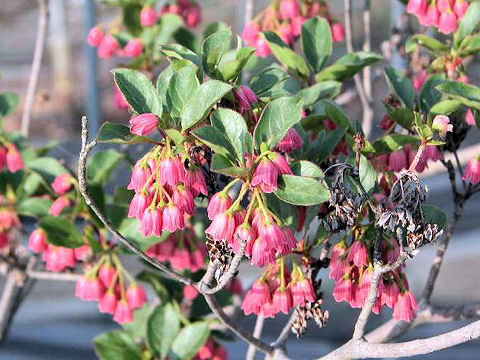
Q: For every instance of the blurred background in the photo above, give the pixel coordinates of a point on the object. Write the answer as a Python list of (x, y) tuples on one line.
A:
[(52, 323)]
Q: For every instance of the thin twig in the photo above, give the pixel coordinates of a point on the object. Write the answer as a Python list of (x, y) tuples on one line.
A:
[(82, 184), (36, 65), (257, 333)]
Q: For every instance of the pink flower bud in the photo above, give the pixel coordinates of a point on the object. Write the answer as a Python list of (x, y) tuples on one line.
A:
[(338, 32), (89, 289), (172, 219), (289, 9), (147, 16), (108, 303), (189, 292), (460, 8), (265, 176), (419, 80), (62, 183), (58, 205), (95, 36), (136, 296), (261, 48), (251, 33), (143, 124), (123, 313), (195, 182), (447, 22), (431, 16), (139, 203), (441, 123), (193, 15), (472, 172), (107, 47), (171, 171), (296, 25), (219, 203), (37, 241), (107, 274), (417, 7), (134, 48), (290, 142), (14, 159), (82, 252), (222, 227)]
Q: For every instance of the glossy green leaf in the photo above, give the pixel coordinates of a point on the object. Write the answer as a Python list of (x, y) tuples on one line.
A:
[(402, 116), (317, 42), (277, 118), (233, 125), (469, 23), (401, 87), (231, 69), (201, 102), (394, 142), (111, 133), (267, 79), (298, 190), (215, 139), (319, 91), (101, 165), (179, 52), (347, 66), (222, 165), (434, 215), (368, 175), (8, 103), (307, 169), (131, 18), (326, 147), (61, 232), (294, 62), (139, 91), (138, 328), (445, 107), (162, 328), (116, 345), (34, 206), (189, 341), (48, 168), (213, 48), (180, 88), (429, 95), (468, 95), (427, 42)]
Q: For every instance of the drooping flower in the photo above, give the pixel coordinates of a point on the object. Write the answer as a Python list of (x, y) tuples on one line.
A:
[(472, 172), (289, 9), (251, 33), (123, 312), (147, 16), (469, 118), (417, 7), (193, 15), (441, 123), (108, 303), (338, 32), (62, 183), (37, 241), (58, 205), (460, 8), (136, 296), (290, 142), (222, 227), (358, 254), (134, 48), (95, 36), (302, 292), (143, 124), (282, 300), (89, 289), (107, 47), (447, 22), (405, 307), (107, 274), (14, 159)]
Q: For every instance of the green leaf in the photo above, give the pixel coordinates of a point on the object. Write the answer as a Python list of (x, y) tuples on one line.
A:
[(322, 90), (130, 228), (162, 328), (267, 79), (48, 168), (401, 87), (179, 52), (189, 341), (180, 88), (201, 102), (402, 116), (169, 24), (469, 23), (186, 38), (214, 27), (427, 42), (277, 118), (215, 139), (329, 144), (232, 68), (294, 62), (429, 95), (34, 206), (298, 190), (111, 133), (116, 345), (222, 165), (138, 328), (233, 125), (394, 142), (61, 232), (307, 169), (131, 18), (287, 212), (317, 42), (101, 165), (445, 107), (434, 215), (176, 136), (165, 289), (139, 91), (468, 95), (368, 175), (213, 48), (8, 103), (347, 66)]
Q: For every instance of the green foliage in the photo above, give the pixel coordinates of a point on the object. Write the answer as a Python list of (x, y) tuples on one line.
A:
[(111, 133), (162, 328), (116, 345), (190, 339), (347, 66), (61, 232), (298, 190), (317, 42)]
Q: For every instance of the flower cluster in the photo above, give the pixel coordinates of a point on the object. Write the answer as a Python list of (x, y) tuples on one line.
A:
[(401, 159), (443, 14), (106, 283), (164, 191), (277, 291), (110, 44), (286, 19), (182, 250), (351, 268)]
